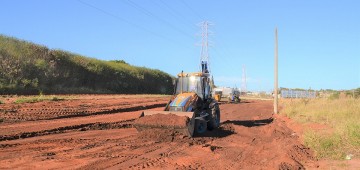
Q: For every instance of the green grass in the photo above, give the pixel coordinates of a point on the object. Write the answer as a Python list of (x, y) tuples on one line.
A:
[(38, 99), (341, 116)]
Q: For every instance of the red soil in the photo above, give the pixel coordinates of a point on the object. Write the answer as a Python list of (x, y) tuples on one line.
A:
[(248, 138), (168, 120)]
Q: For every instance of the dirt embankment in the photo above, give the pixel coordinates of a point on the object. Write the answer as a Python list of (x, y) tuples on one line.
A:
[(249, 138)]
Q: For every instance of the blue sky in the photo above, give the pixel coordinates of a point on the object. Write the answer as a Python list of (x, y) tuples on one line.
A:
[(319, 41)]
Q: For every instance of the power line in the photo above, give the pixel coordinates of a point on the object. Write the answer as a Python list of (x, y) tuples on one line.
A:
[(191, 9), (150, 14), (134, 5), (176, 13), (128, 22)]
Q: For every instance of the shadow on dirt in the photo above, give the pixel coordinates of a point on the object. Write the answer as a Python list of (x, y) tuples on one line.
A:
[(221, 132), (250, 123), (227, 127)]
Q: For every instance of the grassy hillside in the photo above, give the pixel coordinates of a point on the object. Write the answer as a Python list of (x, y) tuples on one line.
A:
[(27, 68)]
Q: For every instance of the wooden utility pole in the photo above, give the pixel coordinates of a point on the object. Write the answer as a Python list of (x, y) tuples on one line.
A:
[(354, 93), (276, 74)]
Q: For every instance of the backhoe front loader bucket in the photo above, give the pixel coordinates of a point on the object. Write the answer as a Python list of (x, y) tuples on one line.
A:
[(182, 122)]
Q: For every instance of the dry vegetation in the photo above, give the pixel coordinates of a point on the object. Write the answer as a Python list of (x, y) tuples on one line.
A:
[(341, 117), (34, 99)]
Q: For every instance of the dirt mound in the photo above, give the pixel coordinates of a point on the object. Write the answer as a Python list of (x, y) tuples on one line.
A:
[(172, 135), (162, 127), (163, 120), (168, 135), (159, 135)]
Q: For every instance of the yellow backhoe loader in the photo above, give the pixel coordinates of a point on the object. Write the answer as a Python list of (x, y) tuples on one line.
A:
[(192, 106)]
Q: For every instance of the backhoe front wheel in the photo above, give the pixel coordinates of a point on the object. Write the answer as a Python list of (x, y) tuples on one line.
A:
[(200, 126), (214, 121)]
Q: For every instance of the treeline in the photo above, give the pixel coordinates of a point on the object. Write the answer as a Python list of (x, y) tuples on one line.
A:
[(27, 68)]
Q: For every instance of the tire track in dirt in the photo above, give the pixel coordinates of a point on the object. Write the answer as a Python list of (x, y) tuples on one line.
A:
[(76, 145), (84, 106), (81, 127), (34, 114), (136, 147), (12, 131)]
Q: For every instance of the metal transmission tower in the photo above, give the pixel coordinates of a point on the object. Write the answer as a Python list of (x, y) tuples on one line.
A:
[(204, 55), (243, 80)]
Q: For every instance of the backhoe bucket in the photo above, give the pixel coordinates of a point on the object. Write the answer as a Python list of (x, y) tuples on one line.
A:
[(182, 122)]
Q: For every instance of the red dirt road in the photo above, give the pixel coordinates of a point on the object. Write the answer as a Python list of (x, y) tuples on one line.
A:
[(249, 138)]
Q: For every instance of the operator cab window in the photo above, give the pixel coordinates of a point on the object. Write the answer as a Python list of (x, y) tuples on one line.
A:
[(190, 84)]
